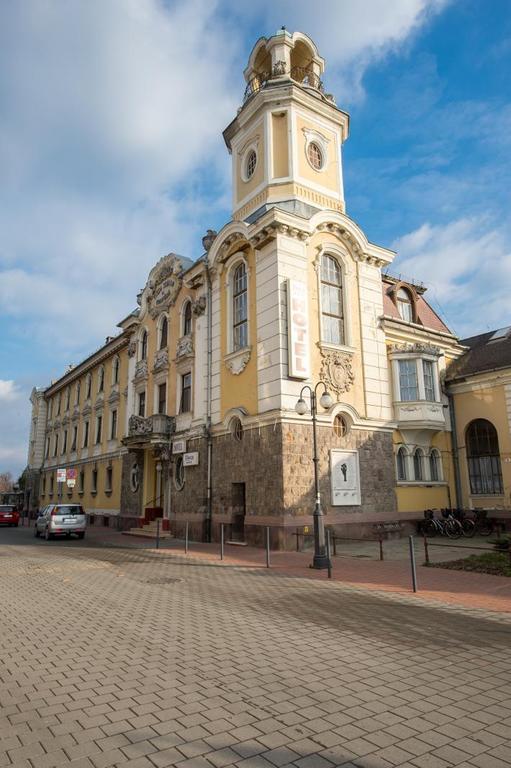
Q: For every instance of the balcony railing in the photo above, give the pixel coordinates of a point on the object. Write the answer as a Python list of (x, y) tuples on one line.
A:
[(151, 426), (301, 75)]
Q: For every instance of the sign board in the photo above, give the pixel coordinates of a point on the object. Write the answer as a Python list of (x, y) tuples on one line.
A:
[(71, 482), (71, 474), (344, 477), (191, 459), (61, 475), (298, 329), (179, 446)]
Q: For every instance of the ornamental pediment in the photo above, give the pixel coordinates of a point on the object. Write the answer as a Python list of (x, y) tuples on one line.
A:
[(417, 348), (163, 285)]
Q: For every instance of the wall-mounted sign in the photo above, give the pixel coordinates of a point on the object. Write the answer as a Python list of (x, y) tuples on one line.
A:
[(179, 446), (61, 475), (191, 459), (344, 477), (71, 473), (298, 329), (71, 482)]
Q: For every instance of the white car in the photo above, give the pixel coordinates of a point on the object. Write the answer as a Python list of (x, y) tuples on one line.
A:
[(61, 520)]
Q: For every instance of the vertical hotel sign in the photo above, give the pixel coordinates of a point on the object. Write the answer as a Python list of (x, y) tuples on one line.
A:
[(298, 329)]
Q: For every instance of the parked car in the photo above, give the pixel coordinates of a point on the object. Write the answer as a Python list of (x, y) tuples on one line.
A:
[(9, 515), (61, 520)]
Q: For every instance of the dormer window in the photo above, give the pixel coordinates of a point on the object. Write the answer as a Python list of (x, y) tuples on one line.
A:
[(404, 305)]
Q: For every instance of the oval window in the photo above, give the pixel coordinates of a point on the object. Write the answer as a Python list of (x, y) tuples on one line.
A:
[(340, 426), (179, 474), (315, 155), (250, 164)]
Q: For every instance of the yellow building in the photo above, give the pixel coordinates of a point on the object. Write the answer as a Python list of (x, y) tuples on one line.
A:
[(205, 374)]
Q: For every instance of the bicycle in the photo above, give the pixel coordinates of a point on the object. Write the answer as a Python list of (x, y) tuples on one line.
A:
[(481, 524), (448, 526)]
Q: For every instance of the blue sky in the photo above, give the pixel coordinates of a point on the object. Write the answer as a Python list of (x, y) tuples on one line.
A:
[(111, 114)]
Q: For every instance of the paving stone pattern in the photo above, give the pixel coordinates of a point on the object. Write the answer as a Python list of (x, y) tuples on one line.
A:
[(127, 658)]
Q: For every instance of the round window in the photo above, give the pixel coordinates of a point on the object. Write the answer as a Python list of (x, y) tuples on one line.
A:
[(237, 429), (250, 164), (315, 155), (340, 426), (179, 474)]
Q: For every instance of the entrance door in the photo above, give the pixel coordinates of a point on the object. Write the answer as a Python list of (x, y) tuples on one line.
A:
[(238, 512)]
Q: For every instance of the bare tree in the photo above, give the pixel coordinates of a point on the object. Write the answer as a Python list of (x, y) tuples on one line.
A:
[(6, 482)]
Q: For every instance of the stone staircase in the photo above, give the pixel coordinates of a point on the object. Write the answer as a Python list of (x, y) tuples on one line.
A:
[(148, 531)]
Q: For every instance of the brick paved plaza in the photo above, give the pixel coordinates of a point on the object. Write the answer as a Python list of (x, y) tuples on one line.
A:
[(127, 657)]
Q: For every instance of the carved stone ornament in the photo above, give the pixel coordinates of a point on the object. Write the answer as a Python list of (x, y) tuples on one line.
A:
[(98, 405), (161, 360), (237, 361), (417, 348), (114, 394), (132, 348), (279, 68), (336, 371), (138, 425), (184, 347), (199, 306), (209, 239), (164, 285), (141, 370)]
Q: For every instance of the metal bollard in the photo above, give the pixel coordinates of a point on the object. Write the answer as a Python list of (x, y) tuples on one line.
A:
[(157, 533), (380, 539), (267, 546), (412, 563), (426, 549), (328, 554), (221, 541), (186, 537), (335, 545)]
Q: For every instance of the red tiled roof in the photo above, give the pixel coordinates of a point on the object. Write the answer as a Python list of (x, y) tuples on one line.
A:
[(426, 315)]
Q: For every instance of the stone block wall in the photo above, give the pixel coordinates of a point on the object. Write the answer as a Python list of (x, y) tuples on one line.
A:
[(131, 501)]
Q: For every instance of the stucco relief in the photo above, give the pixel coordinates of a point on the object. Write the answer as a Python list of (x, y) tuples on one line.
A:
[(199, 306), (336, 371), (417, 348), (164, 284), (237, 362), (138, 425), (161, 360), (132, 348), (184, 347), (141, 370)]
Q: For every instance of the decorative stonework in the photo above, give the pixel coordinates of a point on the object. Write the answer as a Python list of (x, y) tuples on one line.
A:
[(164, 284), (138, 425), (87, 408), (114, 394), (184, 347), (279, 68), (417, 348), (141, 371), (161, 360), (209, 239), (336, 371), (98, 405), (132, 348), (199, 306), (236, 362)]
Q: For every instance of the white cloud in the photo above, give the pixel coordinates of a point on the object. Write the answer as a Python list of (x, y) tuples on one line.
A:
[(467, 266), (8, 390)]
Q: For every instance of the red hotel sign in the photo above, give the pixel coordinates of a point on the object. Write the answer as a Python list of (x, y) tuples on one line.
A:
[(298, 329)]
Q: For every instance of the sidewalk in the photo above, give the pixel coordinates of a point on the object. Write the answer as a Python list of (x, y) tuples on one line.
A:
[(355, 565)]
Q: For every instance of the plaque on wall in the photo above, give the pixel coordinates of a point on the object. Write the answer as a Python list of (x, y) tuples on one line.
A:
[(344, 477)]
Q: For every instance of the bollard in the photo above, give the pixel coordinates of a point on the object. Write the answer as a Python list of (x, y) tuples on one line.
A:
[(297, 540), (380, 539), (157, 533), (267, 546), (426, 549), (221, 541), (335, 545), (412, 563), (186, 537), (328, 554)]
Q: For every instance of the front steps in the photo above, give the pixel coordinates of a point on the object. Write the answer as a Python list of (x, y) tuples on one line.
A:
[(148, 531)]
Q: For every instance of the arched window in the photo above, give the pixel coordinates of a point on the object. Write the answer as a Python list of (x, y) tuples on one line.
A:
[(88, 386), (418, 461), (435, 471), (77, 398), (143, 346), (239, 308), (332, 318), (101, 379), (404, 305), (187, 319), (115, 370), (164, 331), (483, 458), (68, 397), (401, 464)]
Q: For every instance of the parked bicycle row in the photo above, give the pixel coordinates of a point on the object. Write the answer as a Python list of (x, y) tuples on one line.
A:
[(455, 523)]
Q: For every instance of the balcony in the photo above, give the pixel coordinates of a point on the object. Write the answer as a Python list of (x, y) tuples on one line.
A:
[(300, 75), (419, 414), (149, 430)]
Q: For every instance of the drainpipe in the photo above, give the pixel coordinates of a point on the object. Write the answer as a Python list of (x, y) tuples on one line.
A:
[(207, 241), (455, 455)]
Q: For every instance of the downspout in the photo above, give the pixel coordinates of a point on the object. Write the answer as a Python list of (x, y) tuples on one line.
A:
[(455, 454), (207, 242)]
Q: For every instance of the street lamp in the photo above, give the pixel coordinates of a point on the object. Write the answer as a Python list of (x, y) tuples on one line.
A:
[(320, 560)]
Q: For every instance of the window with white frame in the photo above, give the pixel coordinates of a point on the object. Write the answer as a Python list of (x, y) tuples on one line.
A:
[(141, 403), (164, 332), (109, 479), (332, 311), (99, 426), (402, 474), (239, 307), (113, 424), (85, 442), (428, 370), (418, 464), (186, 393), (88, 386), (143, 346), (417, 379), (162, 398), (187, 319), (101, 379), (435, 466), (116, 364), (75, 437), (404, 305), (408, 383)]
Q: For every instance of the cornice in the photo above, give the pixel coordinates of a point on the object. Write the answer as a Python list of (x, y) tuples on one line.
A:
[(88, 364)]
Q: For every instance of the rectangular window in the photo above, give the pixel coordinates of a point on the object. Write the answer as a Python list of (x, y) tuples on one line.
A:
[(162, 398), (77, 396), (408, 380), (99, 424), (51, 484), (109, 474), (56, 445), (113, 425), (94, 481), (186, 393), (75, 437), (50, 409), (429, 381), (81, 481), (141, 403), (64, 443), (68, 398), (44, 485), (485, 475), (47, 452), (85, 434)]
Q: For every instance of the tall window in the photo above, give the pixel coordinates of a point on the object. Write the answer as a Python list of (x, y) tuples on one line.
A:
[(81, 481), (109, 477), (418, 458), (408, 384), (404, 305), (141, 403), (99, 425), (143, 346), (101, 379), (64, 442), (115, 370), (332, 322), (483, 458), (187, 319), (68, 398), (94, 481), (56, 445), (75, 435), (162, 398), (429, 381), (186, 393), (434, 466), (47, 451), (88, 386), (240, 308), (59, 399), (164, 332), (113, 425), (77, 396), (85, 434), (401, 464)]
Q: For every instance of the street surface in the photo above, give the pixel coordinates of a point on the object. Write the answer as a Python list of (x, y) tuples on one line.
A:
[(128, 657)]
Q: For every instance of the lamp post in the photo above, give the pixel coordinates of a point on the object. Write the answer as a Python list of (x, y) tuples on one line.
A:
[(320, 560)]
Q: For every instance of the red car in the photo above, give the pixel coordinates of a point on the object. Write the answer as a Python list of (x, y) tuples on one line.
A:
[(9, 515)]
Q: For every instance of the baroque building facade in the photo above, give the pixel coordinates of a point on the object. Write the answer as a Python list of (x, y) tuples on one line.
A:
[(189, 413)]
